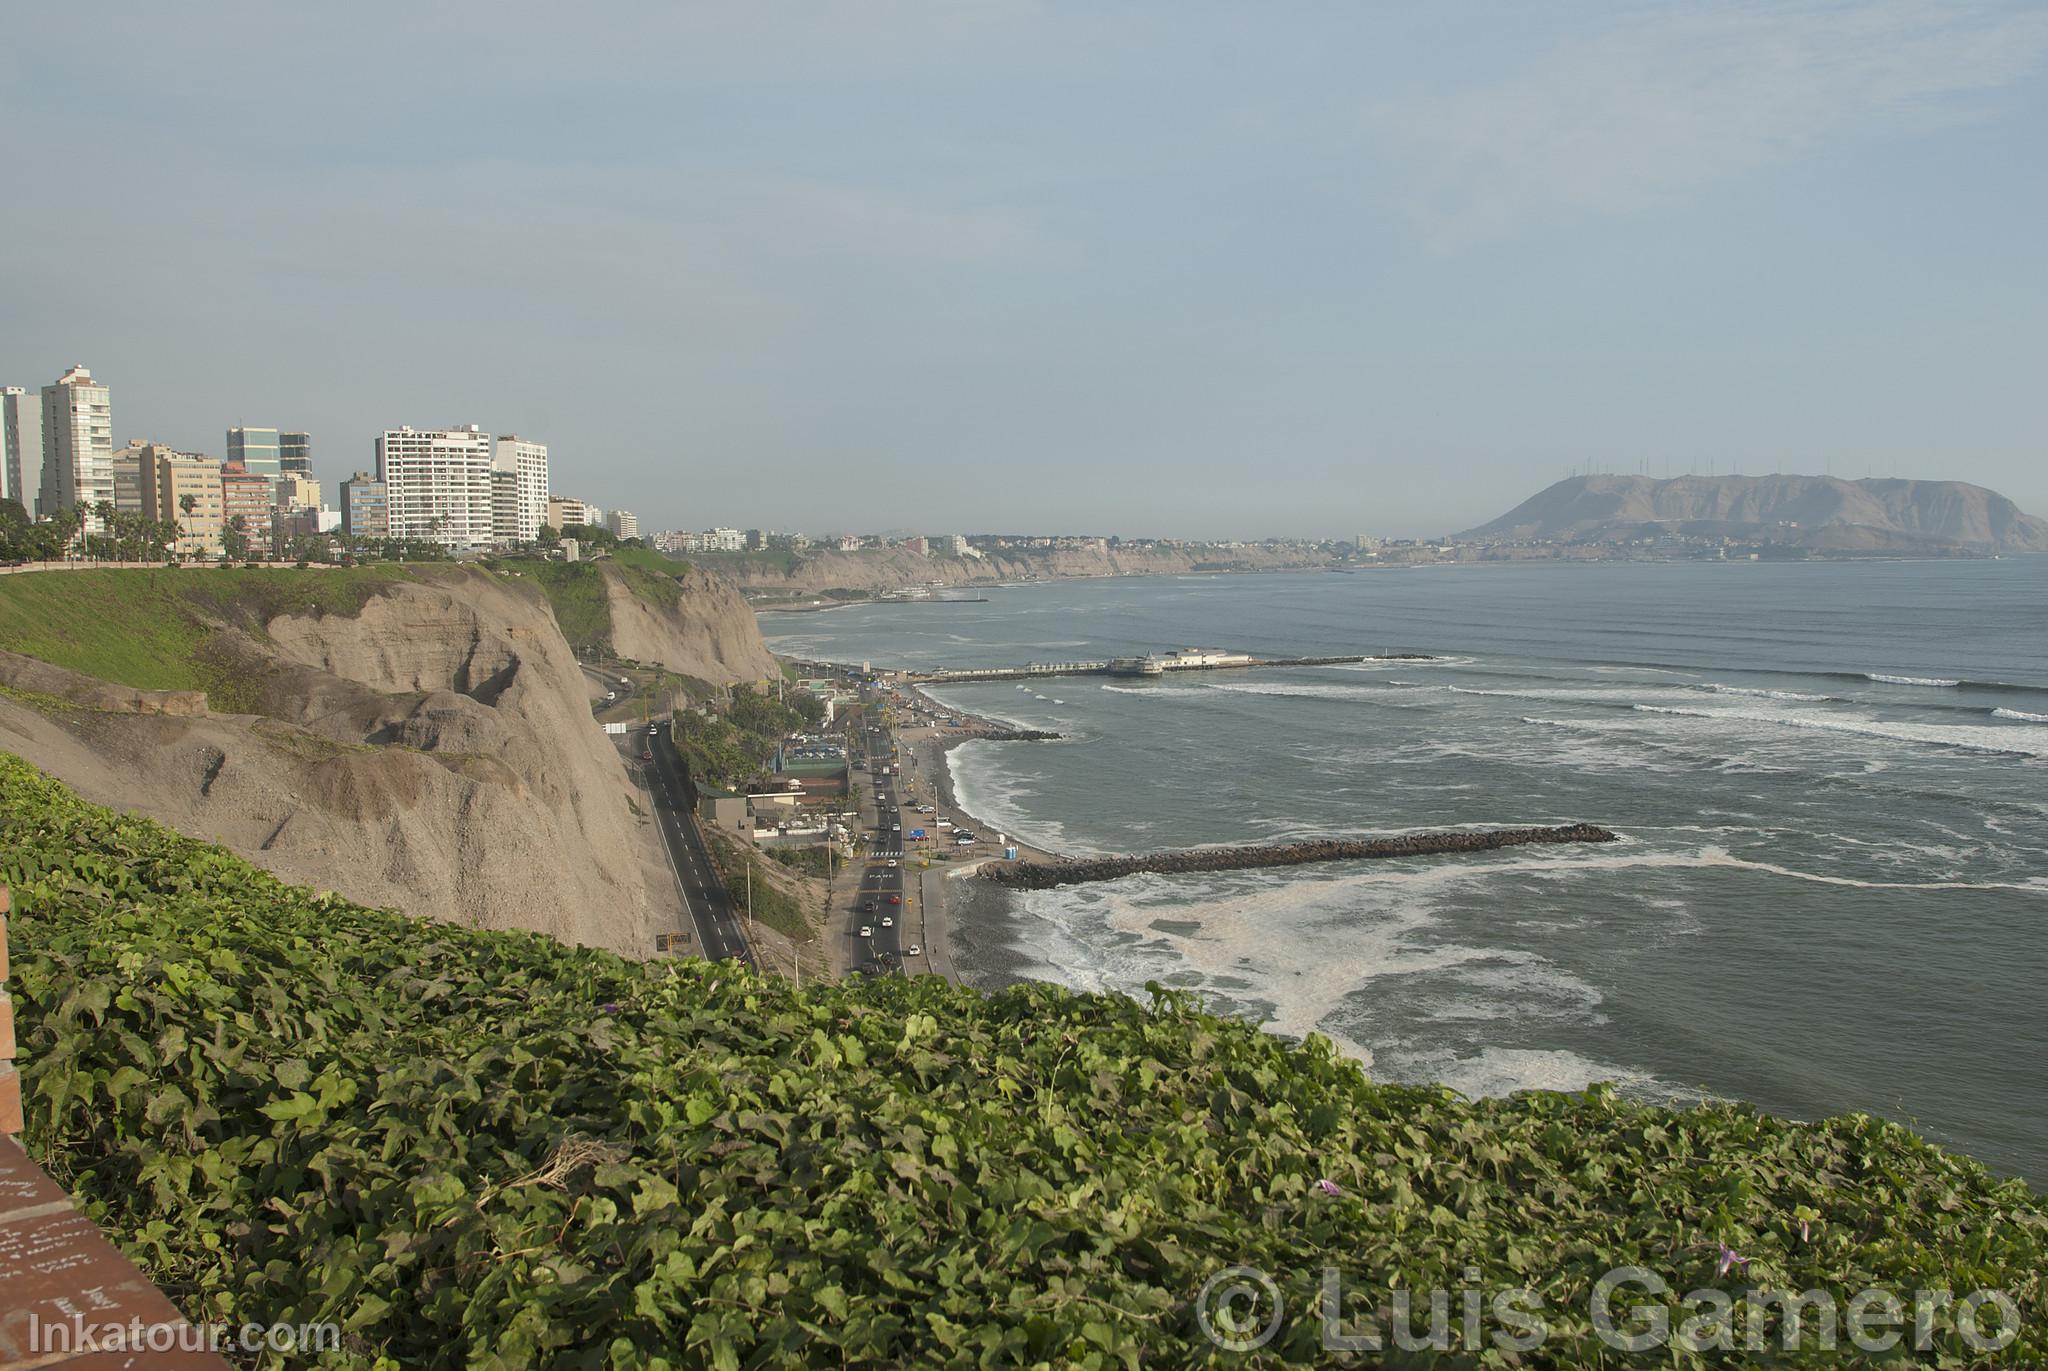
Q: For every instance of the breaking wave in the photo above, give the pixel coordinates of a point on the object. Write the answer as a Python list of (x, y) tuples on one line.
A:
[(2021, 715), (1883, 679)]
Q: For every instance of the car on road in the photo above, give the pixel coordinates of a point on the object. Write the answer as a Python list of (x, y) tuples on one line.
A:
[(866, 932), (646, 754), (888, 922), (913, 951), (892, 861), (867, 907), (653, 728), (895, 899)]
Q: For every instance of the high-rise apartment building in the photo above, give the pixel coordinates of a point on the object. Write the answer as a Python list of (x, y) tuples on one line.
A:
[(364, 510), (527, 463), (438, 484), (78, 446), (259, 450), (295, 452), (21, 448), (624, 523), (184, 489)]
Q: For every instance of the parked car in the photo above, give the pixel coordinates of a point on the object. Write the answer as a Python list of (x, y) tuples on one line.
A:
[(913, 951)]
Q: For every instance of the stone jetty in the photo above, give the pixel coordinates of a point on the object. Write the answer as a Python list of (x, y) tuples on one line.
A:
[(1075, 870), (1017, 735)]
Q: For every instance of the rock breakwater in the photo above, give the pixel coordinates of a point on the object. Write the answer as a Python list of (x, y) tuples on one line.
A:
[(1040, 875)]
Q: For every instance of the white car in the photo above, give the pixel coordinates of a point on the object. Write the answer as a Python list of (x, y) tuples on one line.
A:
[(866, 932), (913, 951), (892, 861), (888, 922)]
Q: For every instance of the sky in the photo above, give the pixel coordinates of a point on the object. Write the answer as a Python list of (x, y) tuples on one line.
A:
[(1161, 267)]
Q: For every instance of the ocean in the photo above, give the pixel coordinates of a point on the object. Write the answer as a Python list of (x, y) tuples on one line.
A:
[(1831, 892)]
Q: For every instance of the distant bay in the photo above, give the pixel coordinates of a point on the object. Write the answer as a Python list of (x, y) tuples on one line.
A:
[(1832, 892)]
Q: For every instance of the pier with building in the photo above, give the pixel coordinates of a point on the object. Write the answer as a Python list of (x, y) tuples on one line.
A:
[(1147, 665)]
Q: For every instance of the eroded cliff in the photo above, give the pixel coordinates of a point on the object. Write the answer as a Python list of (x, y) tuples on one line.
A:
[(431, 751)]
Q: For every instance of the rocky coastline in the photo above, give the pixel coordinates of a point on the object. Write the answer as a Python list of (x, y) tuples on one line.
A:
[(1044, 875)]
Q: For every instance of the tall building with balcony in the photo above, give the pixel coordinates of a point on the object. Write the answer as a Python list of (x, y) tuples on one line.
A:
[(259, 450), (624, 523), (364, 507), (294, 491), (21, 448), (437, 484), (526, 462), (563, 511), (78, 446)]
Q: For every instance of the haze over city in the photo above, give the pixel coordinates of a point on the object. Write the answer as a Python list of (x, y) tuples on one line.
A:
[(1167, 270)]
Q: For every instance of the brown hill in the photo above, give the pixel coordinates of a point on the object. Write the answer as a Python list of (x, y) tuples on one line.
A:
[(1811, 511)]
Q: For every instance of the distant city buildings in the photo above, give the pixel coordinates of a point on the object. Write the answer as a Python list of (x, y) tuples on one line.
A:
[(921, 546), (295, 453), (78, 446), (364, 507), (260, 451), (21, 448), (564, 512), (438, 485), (624, 523)]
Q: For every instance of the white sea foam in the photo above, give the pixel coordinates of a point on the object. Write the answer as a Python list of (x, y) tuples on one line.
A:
[(2020, 715), (1971, 737), (1756, 693), (1161, 692), (1883, 679)]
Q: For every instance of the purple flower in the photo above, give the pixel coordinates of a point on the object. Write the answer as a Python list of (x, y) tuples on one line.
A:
[(1729, 1260), (1329, 1187), (609, 1008)]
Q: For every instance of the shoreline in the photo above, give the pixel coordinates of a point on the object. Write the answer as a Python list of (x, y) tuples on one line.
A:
[(943, 891)]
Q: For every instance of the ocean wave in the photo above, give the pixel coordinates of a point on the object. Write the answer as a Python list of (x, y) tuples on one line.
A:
[(1758, 693), (1883, 679), (1161, 692), (1971, 738), (2020, 715)]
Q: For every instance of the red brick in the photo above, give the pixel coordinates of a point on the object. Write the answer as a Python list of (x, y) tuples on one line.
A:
[(6, 1026), (10, 1100)]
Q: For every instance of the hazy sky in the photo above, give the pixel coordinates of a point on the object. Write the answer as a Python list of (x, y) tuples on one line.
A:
[(1174, 268)]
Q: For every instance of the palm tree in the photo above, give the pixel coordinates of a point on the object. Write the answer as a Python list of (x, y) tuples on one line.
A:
[(186, 504)]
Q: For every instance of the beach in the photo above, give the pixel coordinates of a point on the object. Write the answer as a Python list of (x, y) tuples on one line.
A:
[(948, 891)]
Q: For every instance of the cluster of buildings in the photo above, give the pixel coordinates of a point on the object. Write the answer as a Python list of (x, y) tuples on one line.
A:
[(59, 455), (464, 489)]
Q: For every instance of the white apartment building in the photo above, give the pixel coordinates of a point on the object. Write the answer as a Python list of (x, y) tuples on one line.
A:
[(527, 463), (78, 445), (437, 484), (725, 540), (624, 523), (21, 448)]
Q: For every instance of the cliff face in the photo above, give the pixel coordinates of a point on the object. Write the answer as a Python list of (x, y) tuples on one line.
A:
[(698, 626), (884, 569), (1813, 511), (432, 753)]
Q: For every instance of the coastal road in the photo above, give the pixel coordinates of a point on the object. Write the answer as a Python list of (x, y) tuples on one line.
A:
[(720, 932), (881, 892)]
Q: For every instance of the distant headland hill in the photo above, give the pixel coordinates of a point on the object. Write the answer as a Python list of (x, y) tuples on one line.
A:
[(1818, 512)]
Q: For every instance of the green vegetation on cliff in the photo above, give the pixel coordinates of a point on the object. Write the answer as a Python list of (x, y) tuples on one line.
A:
[(150, 628), (489, 1150)]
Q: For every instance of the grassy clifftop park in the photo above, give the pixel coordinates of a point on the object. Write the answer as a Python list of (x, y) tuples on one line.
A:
[(489, 1149)]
